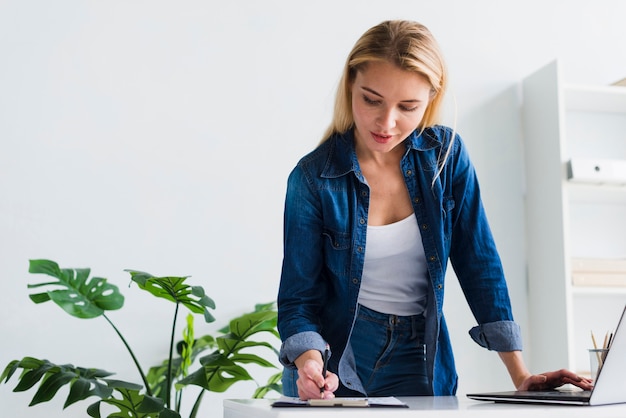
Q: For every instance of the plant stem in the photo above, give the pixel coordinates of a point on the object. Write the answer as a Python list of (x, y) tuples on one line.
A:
[(168, 393), (196, 405), (179, 399), (141, 373)]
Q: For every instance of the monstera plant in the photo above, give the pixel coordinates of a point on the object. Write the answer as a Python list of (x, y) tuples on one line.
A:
[(222, 359)]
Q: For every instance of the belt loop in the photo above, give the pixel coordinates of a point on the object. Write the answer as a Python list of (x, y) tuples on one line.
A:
[(413, 327)]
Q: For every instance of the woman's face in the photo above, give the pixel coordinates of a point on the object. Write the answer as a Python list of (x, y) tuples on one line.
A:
[(388, 103)]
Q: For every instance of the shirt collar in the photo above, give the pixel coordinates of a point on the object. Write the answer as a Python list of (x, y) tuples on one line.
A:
[(342, 154)]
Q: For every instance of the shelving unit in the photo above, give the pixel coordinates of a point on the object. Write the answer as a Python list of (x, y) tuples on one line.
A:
[(566, 219)]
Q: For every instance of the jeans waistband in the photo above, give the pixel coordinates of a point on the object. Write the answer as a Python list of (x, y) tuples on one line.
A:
[(413, 323)]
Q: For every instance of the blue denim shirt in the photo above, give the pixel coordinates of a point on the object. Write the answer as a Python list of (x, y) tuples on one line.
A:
[(325, 224)]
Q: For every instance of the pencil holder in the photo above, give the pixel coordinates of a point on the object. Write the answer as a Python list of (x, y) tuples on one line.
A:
[(596, 359)]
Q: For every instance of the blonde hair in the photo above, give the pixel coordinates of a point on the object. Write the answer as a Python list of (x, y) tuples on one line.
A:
[(410, 46)]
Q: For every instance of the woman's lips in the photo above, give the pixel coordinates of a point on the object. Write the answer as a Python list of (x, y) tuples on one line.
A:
[(380, 138)]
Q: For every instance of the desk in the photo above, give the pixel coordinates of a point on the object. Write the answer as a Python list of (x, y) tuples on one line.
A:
[(423, 407)]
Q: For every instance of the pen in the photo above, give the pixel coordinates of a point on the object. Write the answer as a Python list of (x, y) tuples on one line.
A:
[(595, 346), (607, 346), (324, 367)]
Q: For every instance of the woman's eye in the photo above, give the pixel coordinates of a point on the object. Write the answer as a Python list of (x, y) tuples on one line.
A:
[(402, 107), (370, 101), (409, 109)]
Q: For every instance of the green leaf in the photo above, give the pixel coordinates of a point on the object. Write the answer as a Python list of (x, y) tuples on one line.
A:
[(224, 367), (233, 345), (44, 267), (268, 309), (122, 385), (93, 410), (132, 404), (151, 404), (51, 385), (83, 382), (33, 376), (217, 374), (40, 297), (168, 413), (262, 391), (175, 290), (274, 383), (251, 358), (251, 323), (88, 384), (79, 390), (80, 296), (9, 370)]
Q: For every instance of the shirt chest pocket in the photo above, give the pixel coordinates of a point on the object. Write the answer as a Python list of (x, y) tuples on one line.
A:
[(337, 251)]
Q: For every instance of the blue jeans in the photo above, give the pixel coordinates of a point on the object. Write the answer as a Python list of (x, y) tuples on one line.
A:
[(390, 356)]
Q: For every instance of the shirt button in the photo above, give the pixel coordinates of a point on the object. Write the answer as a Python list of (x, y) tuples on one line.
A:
[(355, 280), (424, 226), (416, 200), (409, 172), (439, 286), (359, 249), (362, 221), (363, 193), (432, 258)]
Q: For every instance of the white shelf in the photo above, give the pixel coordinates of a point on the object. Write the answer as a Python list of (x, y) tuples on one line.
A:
[(567, 219)]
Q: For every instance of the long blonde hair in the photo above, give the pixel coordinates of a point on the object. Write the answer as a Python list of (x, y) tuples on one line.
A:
[(408, 45)]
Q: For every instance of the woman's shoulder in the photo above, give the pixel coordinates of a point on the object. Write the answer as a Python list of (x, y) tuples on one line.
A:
[(441, 133), (333, 151)]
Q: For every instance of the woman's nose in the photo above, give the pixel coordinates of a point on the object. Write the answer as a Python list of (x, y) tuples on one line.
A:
[(387, 118)]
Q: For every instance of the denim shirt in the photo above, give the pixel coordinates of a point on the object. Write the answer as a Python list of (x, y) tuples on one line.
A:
[(325, 224)]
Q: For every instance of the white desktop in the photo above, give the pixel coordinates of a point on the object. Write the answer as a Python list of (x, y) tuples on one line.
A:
[(422, 407)]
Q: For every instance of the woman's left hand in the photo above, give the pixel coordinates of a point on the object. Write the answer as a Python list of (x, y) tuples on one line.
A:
[(551, 380)]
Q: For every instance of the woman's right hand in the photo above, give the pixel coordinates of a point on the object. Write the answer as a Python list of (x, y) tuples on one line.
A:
[(311, 383)]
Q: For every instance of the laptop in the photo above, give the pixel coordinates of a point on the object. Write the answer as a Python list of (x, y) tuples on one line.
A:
[(609, 388)]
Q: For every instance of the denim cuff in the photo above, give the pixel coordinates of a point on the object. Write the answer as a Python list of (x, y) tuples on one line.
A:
[(297, 344), (498, 336)]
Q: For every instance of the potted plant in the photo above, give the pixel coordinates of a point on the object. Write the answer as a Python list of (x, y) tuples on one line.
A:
[(160, 394)]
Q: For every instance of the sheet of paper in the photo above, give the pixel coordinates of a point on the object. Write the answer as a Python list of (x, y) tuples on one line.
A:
[(388, 401)]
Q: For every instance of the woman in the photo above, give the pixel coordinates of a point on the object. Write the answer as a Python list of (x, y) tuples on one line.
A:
[(372, 217)]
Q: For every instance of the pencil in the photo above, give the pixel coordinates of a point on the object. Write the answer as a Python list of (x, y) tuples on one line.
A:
[(595, 346), (325, 367)]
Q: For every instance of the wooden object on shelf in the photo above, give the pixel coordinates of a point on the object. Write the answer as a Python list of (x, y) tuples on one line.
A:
[(621, 83), (599, 272)]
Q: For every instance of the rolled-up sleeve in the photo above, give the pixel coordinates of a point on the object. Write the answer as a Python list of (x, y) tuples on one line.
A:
[(498, 336), (297, 344)]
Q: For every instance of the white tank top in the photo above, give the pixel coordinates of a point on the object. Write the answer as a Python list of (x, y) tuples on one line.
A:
[(395, 276)]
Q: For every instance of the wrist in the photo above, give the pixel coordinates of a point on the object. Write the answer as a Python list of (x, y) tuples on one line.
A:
[(514, 363), (314, 355)]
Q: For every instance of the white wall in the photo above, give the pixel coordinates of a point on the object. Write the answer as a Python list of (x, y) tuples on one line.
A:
[(158, 135)]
